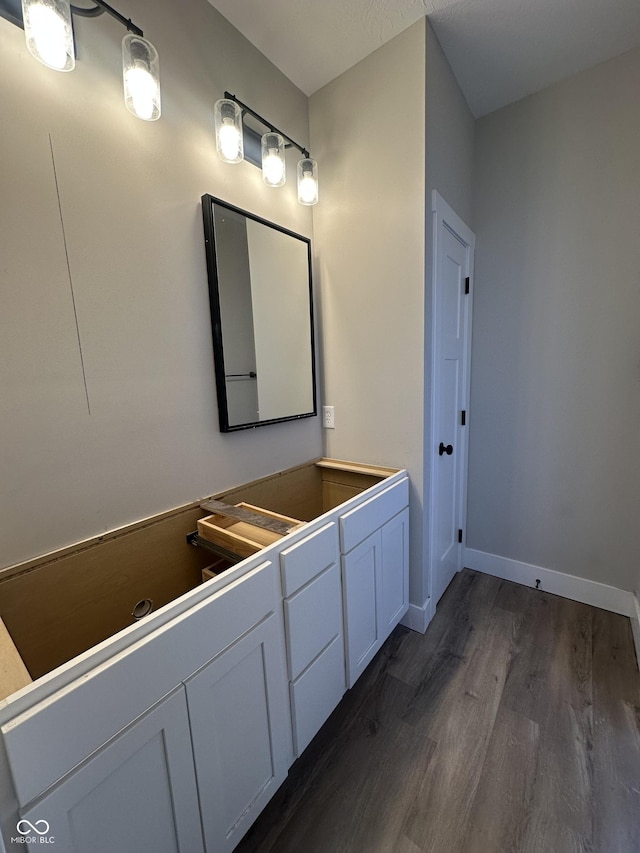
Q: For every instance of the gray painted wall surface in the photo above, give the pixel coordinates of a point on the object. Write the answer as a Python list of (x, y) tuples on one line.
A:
[(373, 230), (450, 135), (130, 194), (554, 475), (449, 159), (367, 130)]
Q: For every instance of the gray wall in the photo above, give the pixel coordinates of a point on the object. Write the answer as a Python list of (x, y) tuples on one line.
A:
[(386, 132), (367, 130), (450, 135), (555, 445), (130, 195), (449, 170)]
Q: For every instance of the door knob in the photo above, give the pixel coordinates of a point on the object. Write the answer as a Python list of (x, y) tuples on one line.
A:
[(442, 449)]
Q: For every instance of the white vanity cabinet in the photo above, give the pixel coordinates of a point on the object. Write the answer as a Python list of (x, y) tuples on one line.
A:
[(137, 792), (173, 734), (313, 622), (375, 574), (105, 756)]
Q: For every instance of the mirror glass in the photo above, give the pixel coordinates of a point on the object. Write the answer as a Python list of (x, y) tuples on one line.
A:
[(261, 317)]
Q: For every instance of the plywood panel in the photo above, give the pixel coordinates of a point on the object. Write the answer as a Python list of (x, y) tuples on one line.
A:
[(377, 471), (13, 672), (333, 494), (63, 607), (60, 605), (296, 492), (342, 483), (307, 491)]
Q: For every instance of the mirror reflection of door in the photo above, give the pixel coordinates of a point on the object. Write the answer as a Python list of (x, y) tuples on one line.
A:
[(278, 266)]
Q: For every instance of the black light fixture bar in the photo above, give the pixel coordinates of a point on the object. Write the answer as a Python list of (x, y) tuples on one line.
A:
[(12, 11), (99, 8), (266, 123)]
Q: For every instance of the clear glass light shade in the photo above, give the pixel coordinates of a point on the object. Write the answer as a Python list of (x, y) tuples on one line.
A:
[(141, 77), (49, 33), (274, 172), (307, 181), (228, 121)]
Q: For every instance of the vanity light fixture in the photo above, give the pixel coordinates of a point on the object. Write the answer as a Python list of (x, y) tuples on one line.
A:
[(49, 33), (274, 169), (48, 30), (237, 141), (307, 181), (229, 139)]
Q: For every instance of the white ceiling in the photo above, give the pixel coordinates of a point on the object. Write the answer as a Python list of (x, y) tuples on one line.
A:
[(499, 50)]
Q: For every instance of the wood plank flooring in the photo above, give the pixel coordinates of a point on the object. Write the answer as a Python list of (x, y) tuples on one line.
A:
[(511, 726)]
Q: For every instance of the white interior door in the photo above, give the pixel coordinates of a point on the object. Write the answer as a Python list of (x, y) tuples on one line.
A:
[(453, 263)]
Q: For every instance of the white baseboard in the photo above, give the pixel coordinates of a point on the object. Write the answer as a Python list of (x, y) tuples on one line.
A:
[(569, 586), (417, 617)]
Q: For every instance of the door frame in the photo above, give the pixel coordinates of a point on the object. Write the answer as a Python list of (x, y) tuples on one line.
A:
[(445, 217)]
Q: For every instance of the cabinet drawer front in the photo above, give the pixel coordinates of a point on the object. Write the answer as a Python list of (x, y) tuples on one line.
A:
[(313, 617), (303, 561), (362, 521), (316, 693)]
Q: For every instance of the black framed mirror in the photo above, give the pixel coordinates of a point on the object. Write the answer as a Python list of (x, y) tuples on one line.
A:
[(261, 299)]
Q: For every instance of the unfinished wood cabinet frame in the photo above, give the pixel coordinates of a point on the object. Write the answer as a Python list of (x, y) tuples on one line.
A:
[(83, 595)]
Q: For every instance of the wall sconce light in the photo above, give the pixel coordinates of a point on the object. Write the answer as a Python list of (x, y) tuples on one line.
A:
[(49, 33), (274, 168), (236, 141), (308, 181), (229, 139), (48, 30)]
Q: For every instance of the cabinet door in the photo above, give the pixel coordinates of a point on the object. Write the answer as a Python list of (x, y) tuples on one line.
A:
[(393, 588), (241, 730), (360, 570), (138, 792)]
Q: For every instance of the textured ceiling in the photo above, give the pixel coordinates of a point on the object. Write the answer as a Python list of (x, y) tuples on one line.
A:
[(499, 50)]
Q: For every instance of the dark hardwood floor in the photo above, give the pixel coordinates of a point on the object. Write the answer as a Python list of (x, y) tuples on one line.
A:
[(511, 726)]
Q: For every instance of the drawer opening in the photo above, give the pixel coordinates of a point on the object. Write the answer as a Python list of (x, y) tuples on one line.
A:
[(244, 529)]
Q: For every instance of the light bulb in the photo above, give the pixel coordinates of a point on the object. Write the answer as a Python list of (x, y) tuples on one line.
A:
[(273, 164), (273, 169), (308, 181), (143, 90), (48, 32), (228, 123), (140, 75), (308, 190), (229, 138)]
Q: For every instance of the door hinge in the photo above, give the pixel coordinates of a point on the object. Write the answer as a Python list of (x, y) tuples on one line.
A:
[(463, 418), (467, 285), (460, 536)]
